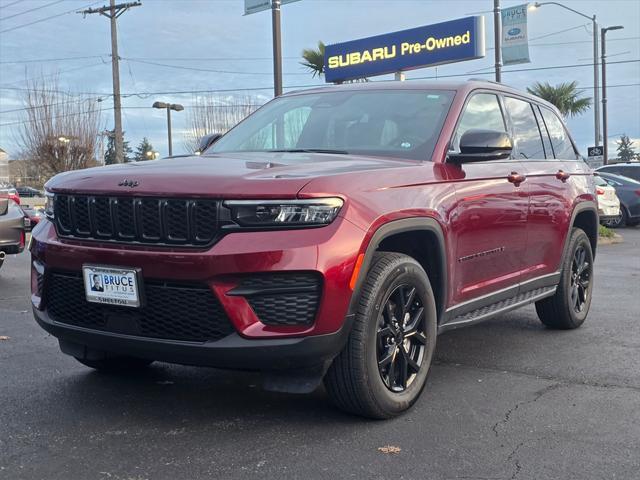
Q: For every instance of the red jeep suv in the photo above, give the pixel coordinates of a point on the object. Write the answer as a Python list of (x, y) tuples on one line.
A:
[(331, 235)]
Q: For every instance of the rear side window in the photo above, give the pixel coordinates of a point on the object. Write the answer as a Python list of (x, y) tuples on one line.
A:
[(546, 141), (525, 129), (562, 146), (482, 112)]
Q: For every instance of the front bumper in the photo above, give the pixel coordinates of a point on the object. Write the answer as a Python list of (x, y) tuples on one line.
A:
[(232, 351), (329, 252)]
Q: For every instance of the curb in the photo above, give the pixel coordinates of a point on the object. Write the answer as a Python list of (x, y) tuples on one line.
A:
[(611, 241)]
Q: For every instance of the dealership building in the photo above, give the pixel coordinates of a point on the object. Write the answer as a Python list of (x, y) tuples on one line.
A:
[(4, 167)]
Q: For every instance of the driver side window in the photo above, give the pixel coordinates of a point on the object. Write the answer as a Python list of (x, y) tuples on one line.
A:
[(483, 112)]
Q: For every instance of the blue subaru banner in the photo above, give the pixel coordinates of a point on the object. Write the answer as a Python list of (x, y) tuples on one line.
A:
[(515, 44), (446, 42)]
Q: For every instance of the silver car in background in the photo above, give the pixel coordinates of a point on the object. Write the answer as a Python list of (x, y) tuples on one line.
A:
[(12, 223)]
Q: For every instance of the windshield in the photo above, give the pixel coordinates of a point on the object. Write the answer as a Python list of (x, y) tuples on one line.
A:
[(395, 123)]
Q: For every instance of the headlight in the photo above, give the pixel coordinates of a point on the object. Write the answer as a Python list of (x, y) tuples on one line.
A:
[(285, 213), (48, 206)]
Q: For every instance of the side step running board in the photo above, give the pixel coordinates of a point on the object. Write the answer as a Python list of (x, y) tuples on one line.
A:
[(497, 308)]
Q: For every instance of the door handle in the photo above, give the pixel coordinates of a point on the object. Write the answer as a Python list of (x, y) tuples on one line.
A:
[(563, 176), (516, 178)]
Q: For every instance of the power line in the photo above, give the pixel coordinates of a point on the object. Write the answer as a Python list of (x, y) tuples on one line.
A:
[(197, 69), (31, 10), (9, 4), (46, 18), (247, 89), (113, 12), (59, 72), (62, 59), (621, 85), (580, 41)]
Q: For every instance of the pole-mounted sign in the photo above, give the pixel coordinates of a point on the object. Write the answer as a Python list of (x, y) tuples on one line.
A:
[(515, 44), (446, 42), (254, 6), (595, 157)]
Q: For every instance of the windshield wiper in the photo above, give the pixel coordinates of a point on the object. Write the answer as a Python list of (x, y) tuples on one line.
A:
[(310, 150)]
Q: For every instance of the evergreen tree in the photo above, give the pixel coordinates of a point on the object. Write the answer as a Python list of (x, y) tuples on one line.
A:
[(110, 152), (626, 152), (142, 150)]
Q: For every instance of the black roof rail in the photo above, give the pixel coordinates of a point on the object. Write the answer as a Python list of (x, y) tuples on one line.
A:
[(475, 79)]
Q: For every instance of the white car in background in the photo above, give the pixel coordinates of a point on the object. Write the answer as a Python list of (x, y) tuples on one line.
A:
[(608, 201)]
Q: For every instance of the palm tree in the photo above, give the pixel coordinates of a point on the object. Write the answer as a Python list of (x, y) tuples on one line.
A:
[(565, 96), (314, 59)]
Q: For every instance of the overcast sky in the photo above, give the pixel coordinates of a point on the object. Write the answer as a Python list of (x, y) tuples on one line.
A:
[(214, 35)]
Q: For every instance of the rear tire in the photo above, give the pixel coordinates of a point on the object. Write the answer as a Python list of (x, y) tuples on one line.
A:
[(116, 364), (569, 307), (384, 366)]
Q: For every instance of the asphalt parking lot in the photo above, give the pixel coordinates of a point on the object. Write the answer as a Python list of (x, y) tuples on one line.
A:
[(506, 399)]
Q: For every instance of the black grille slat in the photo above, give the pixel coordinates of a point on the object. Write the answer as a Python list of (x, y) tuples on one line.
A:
[(176, 218), (125, 218), (80, 216), (150, 215), (205, 220), (171, 311), (141, 220), (102, 217), (62, 213)]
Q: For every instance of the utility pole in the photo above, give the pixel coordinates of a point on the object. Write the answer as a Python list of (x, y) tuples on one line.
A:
[(596, 87), (497, 39), (596, 82), (277, 48), (112, 12), (603, 50)]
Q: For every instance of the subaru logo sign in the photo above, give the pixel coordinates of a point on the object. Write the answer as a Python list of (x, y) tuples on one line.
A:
[(514, 31)]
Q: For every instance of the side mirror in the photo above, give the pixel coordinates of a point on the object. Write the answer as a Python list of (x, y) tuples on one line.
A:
[(207, 141), (479, 145)]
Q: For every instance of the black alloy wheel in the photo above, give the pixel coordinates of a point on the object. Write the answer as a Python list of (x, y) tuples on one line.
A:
[(581, 269), (401, 339)]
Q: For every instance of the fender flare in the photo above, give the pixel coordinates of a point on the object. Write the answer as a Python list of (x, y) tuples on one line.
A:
[(400, 226), (587, 205)]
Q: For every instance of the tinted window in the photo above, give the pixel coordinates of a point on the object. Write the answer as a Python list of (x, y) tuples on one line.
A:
[(562, 146), (399, 123), (483, 112), (525, 129), (546, 141)]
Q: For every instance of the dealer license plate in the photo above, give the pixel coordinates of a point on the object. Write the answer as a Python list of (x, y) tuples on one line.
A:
[(112, 285)]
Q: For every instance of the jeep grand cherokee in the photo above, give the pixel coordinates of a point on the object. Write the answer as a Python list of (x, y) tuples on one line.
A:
[(332, 234)]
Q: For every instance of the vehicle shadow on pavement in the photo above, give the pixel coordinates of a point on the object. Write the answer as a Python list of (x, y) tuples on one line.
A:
[(171, 396)]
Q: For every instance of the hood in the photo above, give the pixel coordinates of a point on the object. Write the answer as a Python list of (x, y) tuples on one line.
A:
[(237, 175)]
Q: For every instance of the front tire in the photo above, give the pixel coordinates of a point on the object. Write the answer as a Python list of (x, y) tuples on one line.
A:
[(384, 366), (569, 307), (116, 364)]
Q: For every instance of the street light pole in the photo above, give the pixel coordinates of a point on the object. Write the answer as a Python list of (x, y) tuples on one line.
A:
[(169, 106), (497, 39), (605, 140), (277, 48), (169, 131), (596, 86)]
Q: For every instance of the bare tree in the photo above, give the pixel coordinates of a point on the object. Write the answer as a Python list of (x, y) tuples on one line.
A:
[(60, 131), (213, 114)]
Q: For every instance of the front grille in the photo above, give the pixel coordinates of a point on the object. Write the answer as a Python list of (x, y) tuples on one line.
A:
[(171, 311), (279, 299), (156, 221)]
